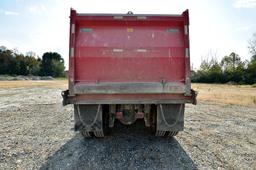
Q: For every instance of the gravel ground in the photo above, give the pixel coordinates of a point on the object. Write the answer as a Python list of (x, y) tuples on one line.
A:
[(36, 133)]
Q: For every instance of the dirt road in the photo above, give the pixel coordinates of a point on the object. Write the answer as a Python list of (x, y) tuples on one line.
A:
[(36, 132)]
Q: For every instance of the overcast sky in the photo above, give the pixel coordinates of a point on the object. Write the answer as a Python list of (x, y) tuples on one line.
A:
[(220, 26)]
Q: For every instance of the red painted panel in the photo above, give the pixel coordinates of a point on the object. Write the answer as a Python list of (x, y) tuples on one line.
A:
[(129, 36), (125, 52), (129, 69)]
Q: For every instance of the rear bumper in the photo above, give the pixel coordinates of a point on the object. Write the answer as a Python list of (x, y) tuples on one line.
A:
[(164, 98)]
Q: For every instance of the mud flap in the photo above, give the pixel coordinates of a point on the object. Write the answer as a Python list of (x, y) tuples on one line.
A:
[(88, 117), (65, 97), (170, 117)]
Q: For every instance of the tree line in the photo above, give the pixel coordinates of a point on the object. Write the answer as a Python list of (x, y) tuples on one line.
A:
[(14, 63), (231, 69)]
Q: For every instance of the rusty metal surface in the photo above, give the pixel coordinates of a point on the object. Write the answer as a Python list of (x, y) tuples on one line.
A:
[(128, 98)]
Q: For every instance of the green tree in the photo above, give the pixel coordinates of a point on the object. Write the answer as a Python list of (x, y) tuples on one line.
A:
[(5, 60), (252, 45), (14, 63), (233, 68), (209, 72), (251, 71), (230, 62), (52, 64), (251, 67), (59, 68), (23, 67), (215, 72), (33, 65)]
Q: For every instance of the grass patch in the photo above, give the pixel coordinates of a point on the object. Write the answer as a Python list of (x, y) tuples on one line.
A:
[(61, 84), (61, 78), (244, 95), (227, 94)]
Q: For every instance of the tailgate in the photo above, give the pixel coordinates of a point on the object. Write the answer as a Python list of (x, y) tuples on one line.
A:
[(129, 53)]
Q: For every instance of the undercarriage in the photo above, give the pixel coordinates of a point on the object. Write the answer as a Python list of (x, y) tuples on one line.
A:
[(98, 120), (95, 115)]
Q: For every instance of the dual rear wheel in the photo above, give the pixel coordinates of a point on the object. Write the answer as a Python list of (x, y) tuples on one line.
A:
[(102, 134), (106, 130)]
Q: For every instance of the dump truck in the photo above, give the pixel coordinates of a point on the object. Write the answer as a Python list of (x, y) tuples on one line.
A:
[(125, 67)]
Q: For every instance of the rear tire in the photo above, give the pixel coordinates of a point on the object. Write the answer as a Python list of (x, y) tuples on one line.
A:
[(166, 133), (86, 134), (172, 133), (106, 130)]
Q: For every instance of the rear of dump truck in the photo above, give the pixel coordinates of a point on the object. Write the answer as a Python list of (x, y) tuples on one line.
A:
[(129, 67)]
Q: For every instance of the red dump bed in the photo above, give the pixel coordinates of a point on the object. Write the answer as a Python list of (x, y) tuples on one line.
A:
[(129, 54)]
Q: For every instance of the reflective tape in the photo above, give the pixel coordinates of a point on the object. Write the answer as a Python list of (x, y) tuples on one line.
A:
[(72, 28), (141, 17), (186, 30), (118, 50), (72, 52), (187, 52), (118, 17), (141, 50)]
